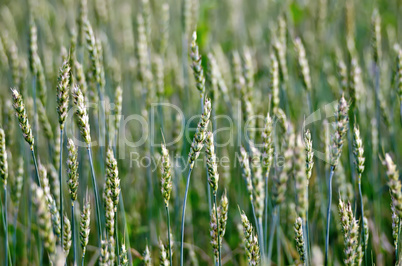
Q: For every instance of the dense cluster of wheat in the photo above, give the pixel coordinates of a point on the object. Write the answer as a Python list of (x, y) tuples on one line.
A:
[(200, 132)]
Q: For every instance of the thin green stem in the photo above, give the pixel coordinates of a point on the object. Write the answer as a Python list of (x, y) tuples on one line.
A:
[(261, 240), (83, 259), (183, 216), (99, 225), (101, 128), (306, 255), (278, 240), (271, 233), (255, 219), (29, 222), (266, 209), (307, 231), (168, 222), (36, 167), (73, 233), (218, 231), (160, 117), (328, 214), (397, 241), (60, 179), (5, 225), (363, 237), (149, 174), (36, 124)]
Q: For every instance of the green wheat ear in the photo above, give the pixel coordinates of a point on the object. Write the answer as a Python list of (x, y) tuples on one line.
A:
[(3, 158), (213, 231), (301, 177), (299, 239), (147, 257), (166, 180), (22, 118), (199, 137), (85, 225), (395, 224), (63, 93), (251, 241), (341, 129), (164, 256), (213, 175), (104, 258), (44, 219), (196, 65), (303, 64), (350, 229), (308, 146), (72, 169), (82, 114), (123, 255), (66, 236), (394, 184)]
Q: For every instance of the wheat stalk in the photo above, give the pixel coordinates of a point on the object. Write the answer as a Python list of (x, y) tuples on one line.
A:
[(196, 146), (83, 125), (166, 185), (72, 181), (336, 149)]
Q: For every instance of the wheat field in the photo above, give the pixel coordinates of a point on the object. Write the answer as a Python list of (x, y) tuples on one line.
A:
[(200, 132)]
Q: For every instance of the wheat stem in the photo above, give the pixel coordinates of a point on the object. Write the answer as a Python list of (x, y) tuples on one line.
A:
[(266, 209), (183, 215), (169, 245), (5, 226), (36, 167), (328, 214), (261, 240), (272, 232), (98, 225), (35, 124), (397, 241), (307, 232), (305, 239), (149, 174), (60, 179)]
